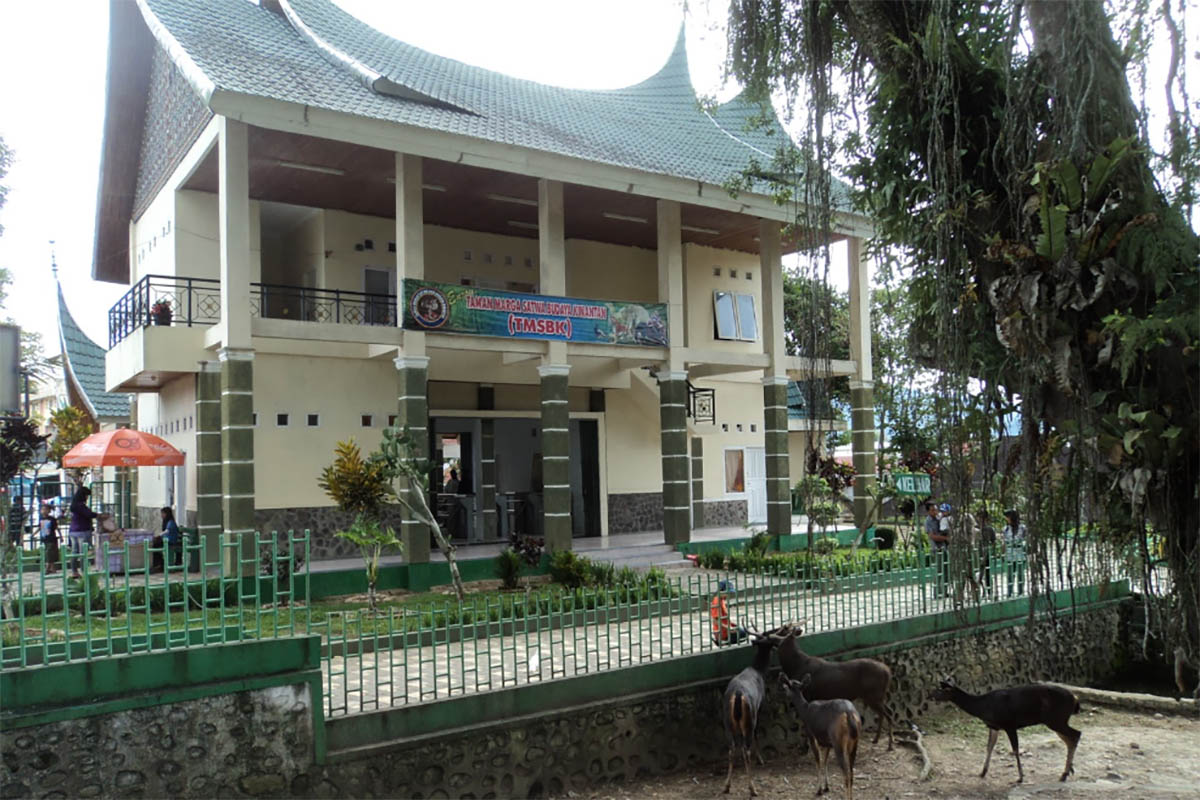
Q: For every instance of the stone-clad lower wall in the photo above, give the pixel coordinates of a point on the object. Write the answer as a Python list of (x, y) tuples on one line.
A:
[(618, 741), (261, 742), (643, 511), (246, 744)]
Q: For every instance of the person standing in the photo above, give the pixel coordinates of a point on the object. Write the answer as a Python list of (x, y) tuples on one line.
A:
[(1014, 552), (172, 538), (49, 536), (937, 525), (80, 532)]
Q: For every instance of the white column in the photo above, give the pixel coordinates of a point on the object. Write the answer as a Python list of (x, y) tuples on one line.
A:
[(860, 309), (770, 264), (233, 203), (410, 240), (670, 277), (552, 254)]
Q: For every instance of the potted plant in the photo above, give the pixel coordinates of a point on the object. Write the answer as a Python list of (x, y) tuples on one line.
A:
[(160, 312)]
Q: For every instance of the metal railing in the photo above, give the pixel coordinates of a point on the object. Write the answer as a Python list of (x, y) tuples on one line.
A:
[(406, 654), (701, 404), (138, 597), (170, 300)]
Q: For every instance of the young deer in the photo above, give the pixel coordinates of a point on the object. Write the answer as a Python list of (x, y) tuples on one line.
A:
[(743, 698), (831, 725), (1019, 707), (859, 678)]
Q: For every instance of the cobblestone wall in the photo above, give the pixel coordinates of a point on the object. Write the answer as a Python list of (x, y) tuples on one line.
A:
[(615, 742), (643, 511), (248, 744), (259, 743)]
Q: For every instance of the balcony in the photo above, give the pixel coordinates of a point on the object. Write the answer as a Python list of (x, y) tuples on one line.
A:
[(165, 300)]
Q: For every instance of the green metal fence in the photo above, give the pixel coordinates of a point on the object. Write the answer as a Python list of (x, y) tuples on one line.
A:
[(136, 597), (434, 650)]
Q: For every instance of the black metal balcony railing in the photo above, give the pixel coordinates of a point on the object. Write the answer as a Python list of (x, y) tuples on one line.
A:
[(702, 404), (168, 300)]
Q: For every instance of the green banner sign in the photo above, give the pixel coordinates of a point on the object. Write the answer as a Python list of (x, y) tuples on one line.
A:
[(450, 308), (916, 484)]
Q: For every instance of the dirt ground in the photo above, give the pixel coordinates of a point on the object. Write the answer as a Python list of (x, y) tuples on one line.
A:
[(1121, 755)]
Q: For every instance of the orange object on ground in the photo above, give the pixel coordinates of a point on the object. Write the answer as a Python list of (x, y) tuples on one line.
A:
[(719, 611)]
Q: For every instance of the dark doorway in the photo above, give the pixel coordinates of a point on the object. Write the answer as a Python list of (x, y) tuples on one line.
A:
[(589, 477)]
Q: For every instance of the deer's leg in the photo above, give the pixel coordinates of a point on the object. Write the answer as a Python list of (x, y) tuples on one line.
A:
[(1012, 738), (749, 777), (827, 752), (992, 735), (729, 774), (848, 771), (816, 751), (1070, 738)]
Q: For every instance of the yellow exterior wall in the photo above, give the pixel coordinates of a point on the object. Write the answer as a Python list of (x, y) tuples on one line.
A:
[(700, 283), (611, 272), (632, 442), (171, 414), (197, 239), (153, 237)]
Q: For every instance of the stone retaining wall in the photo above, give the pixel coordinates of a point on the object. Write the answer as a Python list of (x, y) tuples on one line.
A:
[(617, 741), (261, 742)]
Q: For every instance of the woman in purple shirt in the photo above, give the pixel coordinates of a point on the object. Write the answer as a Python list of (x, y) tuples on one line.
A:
[(80, 533)]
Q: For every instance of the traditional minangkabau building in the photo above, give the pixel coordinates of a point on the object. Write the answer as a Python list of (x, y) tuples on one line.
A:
[(83, 375), (327, 231)]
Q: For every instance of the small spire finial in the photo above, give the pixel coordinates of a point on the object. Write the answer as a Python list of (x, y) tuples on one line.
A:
[(53, 261)]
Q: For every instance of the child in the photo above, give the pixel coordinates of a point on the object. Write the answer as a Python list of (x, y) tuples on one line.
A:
[(49, 537)]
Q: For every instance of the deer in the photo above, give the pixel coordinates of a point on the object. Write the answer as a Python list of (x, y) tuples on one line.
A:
[(858, 679), (1009, 710), (830, 725), (739, 708)]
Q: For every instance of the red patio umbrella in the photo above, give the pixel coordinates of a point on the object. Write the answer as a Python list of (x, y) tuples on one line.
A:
[(123, 447)]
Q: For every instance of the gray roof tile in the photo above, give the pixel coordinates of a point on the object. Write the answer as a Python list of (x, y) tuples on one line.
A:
[(656, 126), (85, 360)]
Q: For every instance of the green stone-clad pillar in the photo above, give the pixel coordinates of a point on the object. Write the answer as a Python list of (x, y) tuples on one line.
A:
[(413, 414), (862, 435), (209, 510), (697, 482), (487, 477), (775, 435), (672, 402), (556, 457), (237, 450)]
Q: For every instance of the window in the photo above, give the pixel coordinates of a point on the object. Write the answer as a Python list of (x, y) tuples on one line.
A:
[(314, 420), (734, 317), (392, 420), (281, 420), (254, 419), (735, 471), (368, 420), (733, 273)]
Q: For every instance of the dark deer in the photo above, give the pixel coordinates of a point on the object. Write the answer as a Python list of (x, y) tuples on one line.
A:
[(831, 725), (1019, 707), (743, 698), (858, 679)]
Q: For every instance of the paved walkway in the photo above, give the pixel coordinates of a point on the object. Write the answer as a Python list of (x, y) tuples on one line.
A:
[(419, 674)]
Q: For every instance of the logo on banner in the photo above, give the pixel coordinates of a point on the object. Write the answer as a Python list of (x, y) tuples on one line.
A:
[(429, 307)]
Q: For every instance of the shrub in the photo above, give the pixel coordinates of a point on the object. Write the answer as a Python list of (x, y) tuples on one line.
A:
[(529, 548), (508, 568), (627, 576), (569, 569), (601, 573), (825, 546), (758, 544), (712, 559)]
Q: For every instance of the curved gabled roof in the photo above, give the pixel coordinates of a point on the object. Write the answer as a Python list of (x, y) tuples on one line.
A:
[(318, 55), (83, 362)]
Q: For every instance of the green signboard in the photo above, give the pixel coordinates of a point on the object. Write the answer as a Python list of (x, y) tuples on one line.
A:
[(450, 308), (916, 484)]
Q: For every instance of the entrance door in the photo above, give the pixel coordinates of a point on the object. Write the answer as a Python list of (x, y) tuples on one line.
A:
[(756, 485), (585, 478)]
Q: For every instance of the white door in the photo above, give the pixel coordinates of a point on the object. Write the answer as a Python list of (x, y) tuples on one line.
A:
[(756, 485)]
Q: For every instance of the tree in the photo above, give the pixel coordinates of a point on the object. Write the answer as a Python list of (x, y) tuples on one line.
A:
[(71, 426), (359, 486), (409, 482), (1049, 266)]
